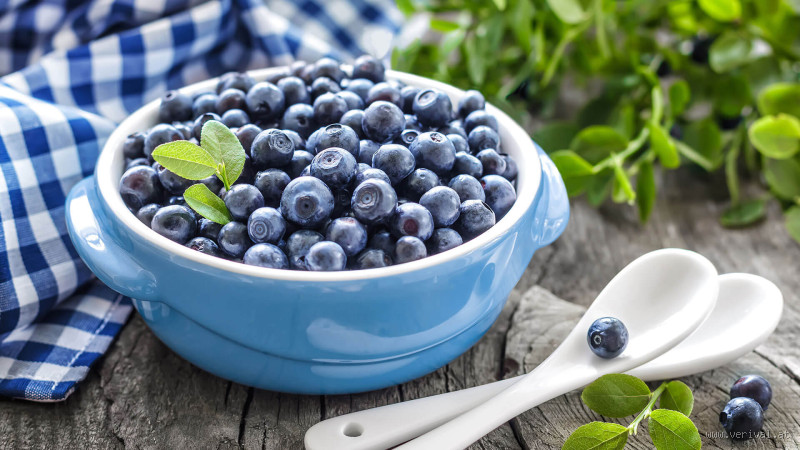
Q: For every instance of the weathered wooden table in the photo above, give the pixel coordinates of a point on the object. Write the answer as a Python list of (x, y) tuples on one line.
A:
[(141, 395)]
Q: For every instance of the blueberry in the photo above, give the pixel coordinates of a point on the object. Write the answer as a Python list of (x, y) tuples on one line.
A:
[(409, 248), (366, 150), (213, 183), (297, 67), (266, 255), (418, 183), (197, 127), (235, 118), (176, 200), (443, 239), (298, 244), (334, 166), (247, 134), (208, 229), (294, 91), (272, 148), (329, 108), (231, 99), (139, 186), (471, 101), (271, 183), (382, 240), (301, 159), (511, 171), (407, 137), (383, 121), (337, 135), (468, 188), (436, 152), (352, 99), (297, 140), (372, 258), (369, 173), (233, 239), (755, 387), (327, 67), (453, 127), (133, 147), (384, 91), (467, 164), (607, 337), (479, 118), (266, 225), (369, 67), (235, 80), (353, 119), (360, 86), (411, 123), (326, 256), (175, 106), (373, 201), (407, 96), (492, 162), (242, 200), (500, 194), (137, 162), (742, 418), (307, 202), (444, 205), (206, 103), (482, 137), (411, 219), (146, 213), (474, 218), (432, 107), (160, 134), (349, 233), (299, 118), (204, 245), (324, 85), (175, 222), (459, 142), (265, 101), (396, 160), (171, 182), (186, 131)]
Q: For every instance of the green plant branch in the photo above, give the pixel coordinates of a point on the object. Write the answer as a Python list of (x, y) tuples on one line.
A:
[(633, 426), (558, 53)]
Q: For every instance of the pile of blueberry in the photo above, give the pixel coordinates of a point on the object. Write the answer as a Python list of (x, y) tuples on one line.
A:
[(344, 169), (743, 416)]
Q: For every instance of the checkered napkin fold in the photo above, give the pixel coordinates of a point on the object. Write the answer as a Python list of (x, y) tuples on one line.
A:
[(71, 70)]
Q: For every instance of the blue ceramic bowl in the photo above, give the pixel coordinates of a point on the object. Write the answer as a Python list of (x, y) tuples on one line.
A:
[(306, 332)]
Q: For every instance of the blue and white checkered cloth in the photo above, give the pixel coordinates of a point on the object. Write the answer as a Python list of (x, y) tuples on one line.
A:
[(70, 70)]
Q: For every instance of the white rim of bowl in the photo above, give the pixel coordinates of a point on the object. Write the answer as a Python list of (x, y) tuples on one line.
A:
[(111, 161)]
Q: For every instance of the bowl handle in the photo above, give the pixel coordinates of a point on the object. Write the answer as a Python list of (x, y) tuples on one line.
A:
[(552, 211), (89, 231)]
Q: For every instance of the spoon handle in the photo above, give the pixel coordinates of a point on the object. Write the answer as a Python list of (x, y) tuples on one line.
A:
[(391, 425)]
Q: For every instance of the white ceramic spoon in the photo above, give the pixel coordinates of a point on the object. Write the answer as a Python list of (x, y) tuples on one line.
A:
[(662, 297)]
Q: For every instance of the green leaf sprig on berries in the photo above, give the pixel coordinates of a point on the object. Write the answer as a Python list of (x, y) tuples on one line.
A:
[(619, 395), (711, 83), (220, 153)]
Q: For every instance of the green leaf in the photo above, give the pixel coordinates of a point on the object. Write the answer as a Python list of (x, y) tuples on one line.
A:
[(742, 215), (674, 431), (783, 177), (501, 4), (677, 397), (616, 395), (661, 143), (556, 135), (476, 63), (521, 23), (575, 171), (569, 11), (679, 96), (645, 190), (405, 6), (792, 220), (722, 10), (597, 436), (598, 186), (597, 142), (185, 159), (729, 51), (705, 138), (776, 136), (444, 26), (225, 148), (694, 156), (780, 98), (207, 204)]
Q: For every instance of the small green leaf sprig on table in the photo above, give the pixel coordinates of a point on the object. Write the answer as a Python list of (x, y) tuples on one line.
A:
[(620, 395), (220, 153)]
